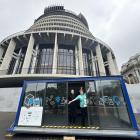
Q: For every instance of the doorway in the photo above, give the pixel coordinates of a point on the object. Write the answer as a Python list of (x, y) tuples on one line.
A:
[(74, 110)]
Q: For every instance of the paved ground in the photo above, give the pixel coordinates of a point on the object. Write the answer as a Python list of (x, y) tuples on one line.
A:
[(7, 118)]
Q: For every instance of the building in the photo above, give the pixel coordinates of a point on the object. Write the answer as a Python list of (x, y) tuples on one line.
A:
[(48, 56), (131, 70), (58, 44)]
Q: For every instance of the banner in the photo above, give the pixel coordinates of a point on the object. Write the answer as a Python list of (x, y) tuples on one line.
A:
[(30, 116)]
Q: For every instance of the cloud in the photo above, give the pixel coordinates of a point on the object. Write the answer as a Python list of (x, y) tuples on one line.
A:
[(116, 22), (124, 31)]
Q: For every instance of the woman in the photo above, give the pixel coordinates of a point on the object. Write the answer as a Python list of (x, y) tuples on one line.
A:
[(72, 108), (83, 105)]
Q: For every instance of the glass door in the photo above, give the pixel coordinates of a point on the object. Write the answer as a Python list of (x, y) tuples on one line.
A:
[(55, 105)]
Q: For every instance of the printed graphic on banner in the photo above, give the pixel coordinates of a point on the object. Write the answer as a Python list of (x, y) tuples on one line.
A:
[(30, 116), (104, 100), (30, 100)]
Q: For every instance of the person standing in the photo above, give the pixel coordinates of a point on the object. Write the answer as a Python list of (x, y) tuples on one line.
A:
[(72, 108), (83, 105)]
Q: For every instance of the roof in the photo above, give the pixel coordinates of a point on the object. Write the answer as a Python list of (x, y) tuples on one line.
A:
[(59, 10)]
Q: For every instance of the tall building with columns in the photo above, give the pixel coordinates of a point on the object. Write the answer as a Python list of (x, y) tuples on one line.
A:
[(131, 70), (58, 44)]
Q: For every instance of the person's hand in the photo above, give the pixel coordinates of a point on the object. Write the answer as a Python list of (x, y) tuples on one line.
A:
[(89, 89), (69, 102)]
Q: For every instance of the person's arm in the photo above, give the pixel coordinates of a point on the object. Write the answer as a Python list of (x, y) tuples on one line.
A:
[(88, 90), (73, 100)]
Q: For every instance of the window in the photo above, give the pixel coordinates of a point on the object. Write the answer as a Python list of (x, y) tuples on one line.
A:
[(111, 106), (33, 91), (87, 62), (44, 59), (66, 60), (11, 66), (32, 108), (16, 63)]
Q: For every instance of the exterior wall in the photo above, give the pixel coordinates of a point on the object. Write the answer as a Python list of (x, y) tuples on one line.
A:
[(80, 43), (9, 99), (134, 94), (131, 70), (62, 28), (66, 23)]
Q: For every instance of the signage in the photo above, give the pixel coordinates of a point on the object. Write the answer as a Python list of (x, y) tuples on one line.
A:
[(31, 116)]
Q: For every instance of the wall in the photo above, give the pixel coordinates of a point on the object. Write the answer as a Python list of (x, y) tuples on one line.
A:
[(9, 99), (134, 94)]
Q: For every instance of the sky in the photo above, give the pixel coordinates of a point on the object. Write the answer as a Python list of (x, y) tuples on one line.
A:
[(116, 22)]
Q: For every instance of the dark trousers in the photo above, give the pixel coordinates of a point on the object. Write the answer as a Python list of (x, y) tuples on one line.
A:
[(83, 116), (72, 115)]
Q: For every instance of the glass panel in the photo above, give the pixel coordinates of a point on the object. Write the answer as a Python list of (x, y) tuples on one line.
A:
[(111, 105), (87, 62), (105, 105), (34, 91), (66, 60), (40, 92), (32, 109), (30, 93), (55, 106), (44, 59), (12, 66), (93, 112)]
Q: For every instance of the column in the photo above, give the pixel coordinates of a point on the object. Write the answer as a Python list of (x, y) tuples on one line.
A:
[(137, 75), (129, 82), (7, 58), (100, 61), (93, 63), (76, 60), (133, 79), (80, 54), (1, 52), (28, 56), (116, 67), (54, 68), (33, 68), (111, 63), (17, 61)]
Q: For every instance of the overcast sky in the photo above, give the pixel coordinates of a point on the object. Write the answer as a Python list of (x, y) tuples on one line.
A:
[(116, 22)]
